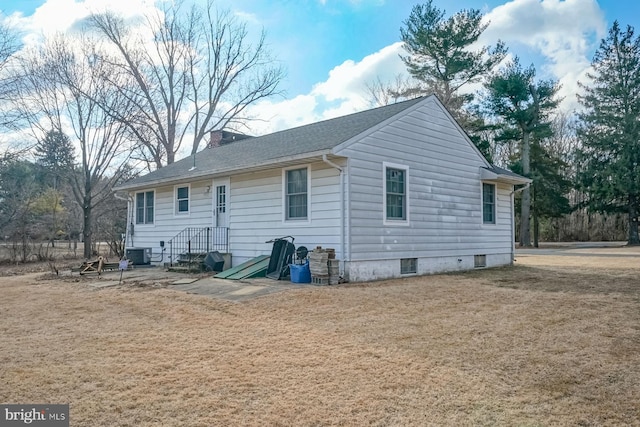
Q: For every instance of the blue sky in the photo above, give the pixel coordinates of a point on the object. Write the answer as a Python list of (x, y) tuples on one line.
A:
[(330, 48)]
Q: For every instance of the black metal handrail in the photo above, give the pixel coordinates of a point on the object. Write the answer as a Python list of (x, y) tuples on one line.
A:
[(194, 240), (189, 240), (220, 240)]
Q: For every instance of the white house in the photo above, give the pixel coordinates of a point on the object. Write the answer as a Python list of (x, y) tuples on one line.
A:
[(394, 190)]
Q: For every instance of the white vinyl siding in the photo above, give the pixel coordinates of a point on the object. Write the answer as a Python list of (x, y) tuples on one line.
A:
[(259, 208), (444, 201), (165, 224)]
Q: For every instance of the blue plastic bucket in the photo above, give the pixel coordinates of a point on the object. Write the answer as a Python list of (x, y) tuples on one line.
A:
[(300, 273)]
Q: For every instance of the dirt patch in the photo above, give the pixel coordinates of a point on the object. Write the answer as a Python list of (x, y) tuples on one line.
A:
[(544, 343)]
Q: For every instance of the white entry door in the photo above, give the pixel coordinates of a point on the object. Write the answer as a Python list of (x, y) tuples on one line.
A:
[(221, 202), (220, 237)]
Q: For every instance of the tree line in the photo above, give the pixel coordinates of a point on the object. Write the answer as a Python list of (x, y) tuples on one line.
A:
[(584, 165), (115, 96)]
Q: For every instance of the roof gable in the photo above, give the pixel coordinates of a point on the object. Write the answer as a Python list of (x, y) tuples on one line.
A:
[(432, 98)]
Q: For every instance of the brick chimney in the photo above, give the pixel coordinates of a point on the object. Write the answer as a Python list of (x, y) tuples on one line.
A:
[(215, 137)]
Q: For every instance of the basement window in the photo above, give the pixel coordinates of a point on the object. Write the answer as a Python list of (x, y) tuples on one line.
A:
[(408, 265), (479, 261)]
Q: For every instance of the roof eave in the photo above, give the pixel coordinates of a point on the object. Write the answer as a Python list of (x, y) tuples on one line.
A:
[(513, 179), (222, 172)]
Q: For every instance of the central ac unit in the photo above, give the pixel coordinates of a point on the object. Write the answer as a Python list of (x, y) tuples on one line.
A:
[(139, 256)]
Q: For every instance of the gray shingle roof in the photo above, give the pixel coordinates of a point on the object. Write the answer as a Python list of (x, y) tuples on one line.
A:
[(272, 148)]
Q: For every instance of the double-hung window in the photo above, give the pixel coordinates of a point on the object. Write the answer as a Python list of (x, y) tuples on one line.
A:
[(396, 190), (145, 202), (488, 203), (182, 200), (296, 194)]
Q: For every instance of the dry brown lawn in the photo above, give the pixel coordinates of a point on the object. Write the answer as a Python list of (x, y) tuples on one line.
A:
[(552, 341)]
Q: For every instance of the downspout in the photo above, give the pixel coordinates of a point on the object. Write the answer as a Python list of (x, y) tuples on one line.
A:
[(342, 213), (513, 215), (129, 200)]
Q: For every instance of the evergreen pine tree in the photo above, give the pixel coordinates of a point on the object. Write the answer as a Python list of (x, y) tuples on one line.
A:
[(439, 54), (56, 154), (609, 133), (523, 107)]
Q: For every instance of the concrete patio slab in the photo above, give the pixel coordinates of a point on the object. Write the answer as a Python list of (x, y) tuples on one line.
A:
[(247, 290), (228, 290)]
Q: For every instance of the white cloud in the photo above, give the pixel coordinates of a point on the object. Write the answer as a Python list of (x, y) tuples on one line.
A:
[(347, 80), (272, 116), (343, 92), (59, 16), (247, 17), (563, 32)]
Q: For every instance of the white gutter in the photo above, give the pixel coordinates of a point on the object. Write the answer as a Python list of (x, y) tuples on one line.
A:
[(513, 215), (342, 213)]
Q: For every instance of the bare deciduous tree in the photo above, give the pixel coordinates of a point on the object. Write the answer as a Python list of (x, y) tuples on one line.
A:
[(9, 45), (380, 93), (198, 73), (64, 90)]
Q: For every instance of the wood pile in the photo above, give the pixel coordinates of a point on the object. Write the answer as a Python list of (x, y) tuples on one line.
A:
[(98, 265)]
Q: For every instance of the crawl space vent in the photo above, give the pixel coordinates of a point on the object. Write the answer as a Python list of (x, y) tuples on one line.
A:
[(408, 265), (479, 261)]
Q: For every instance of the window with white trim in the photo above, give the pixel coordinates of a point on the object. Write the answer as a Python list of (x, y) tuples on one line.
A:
[(296, 194), (396, 190), (145, 202), (488, 203), (182, 199)]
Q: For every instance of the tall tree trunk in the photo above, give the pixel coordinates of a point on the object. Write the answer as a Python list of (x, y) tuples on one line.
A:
[(53, 213), (536, 219), (633, 220), (525, 232), (536, 229), (25, 244), (87, 232)]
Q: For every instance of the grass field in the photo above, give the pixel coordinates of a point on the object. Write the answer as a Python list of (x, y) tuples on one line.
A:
[(553, 341)]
